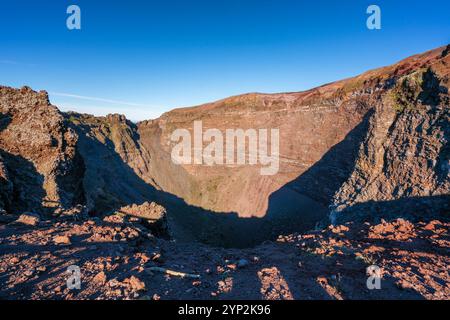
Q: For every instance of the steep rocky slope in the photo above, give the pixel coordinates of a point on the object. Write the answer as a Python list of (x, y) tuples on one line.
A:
[(40, 167), (368, 146), (402, 165), (110, 149), (102, 193), (380, 138), (53, 165)]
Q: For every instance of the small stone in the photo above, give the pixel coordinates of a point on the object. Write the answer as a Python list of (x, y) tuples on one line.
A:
[(157, 257), (136, 284), (113, 283), (144, 258), (231, 266), (14, 260), (41, 268), (100, 278), (220, 269), (61, 240), (28, 273), (431, 226), (31, 219)]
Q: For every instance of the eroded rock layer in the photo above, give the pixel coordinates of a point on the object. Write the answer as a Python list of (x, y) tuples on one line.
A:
[(367, 147), (376, 140), (40, 168)]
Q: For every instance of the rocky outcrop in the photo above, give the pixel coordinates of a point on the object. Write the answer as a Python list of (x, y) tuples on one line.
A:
[(381, 136), (151, 214), (114, 162), (40, 167), (360, 147), (148, 211), (402, 166), (371, 152), (30, 219)]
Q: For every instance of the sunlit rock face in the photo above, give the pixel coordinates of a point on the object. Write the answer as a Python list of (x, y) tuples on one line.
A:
[(40, 167), (379, 136), (358, 147)]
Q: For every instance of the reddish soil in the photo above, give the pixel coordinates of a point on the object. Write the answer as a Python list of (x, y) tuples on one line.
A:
[(116, 258)]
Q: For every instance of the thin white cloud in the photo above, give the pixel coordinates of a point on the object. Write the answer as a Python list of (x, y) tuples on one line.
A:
[(75, 96)]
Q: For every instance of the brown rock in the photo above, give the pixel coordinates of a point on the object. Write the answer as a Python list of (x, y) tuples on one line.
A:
[(31, 219), (14, 260), (136, 284), (100, 278), (61, 240), (339, 229), (38, 149), (148, 210), (431, 225)]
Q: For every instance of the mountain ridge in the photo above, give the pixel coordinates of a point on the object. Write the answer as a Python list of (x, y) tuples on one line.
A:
[(323, 159), (364, 182)]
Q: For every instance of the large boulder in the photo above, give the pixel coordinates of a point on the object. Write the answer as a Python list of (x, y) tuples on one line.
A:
[(151, 213), (38, 154)]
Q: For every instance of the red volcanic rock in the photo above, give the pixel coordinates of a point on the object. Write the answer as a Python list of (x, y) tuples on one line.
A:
[(369, 153), (399, 229), (136, 284), (148, 211), (100, 278), (30, 219), (38, 154), (316, 265), (62, 240)]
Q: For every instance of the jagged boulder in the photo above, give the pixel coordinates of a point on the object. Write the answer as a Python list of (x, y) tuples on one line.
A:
[(31, 219), (38, 153), (152, 213)]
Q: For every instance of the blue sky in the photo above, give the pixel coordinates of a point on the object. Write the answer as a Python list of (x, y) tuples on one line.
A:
[(142, 58)]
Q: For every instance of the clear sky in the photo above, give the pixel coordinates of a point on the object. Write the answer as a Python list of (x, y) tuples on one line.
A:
[(142, 58)]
